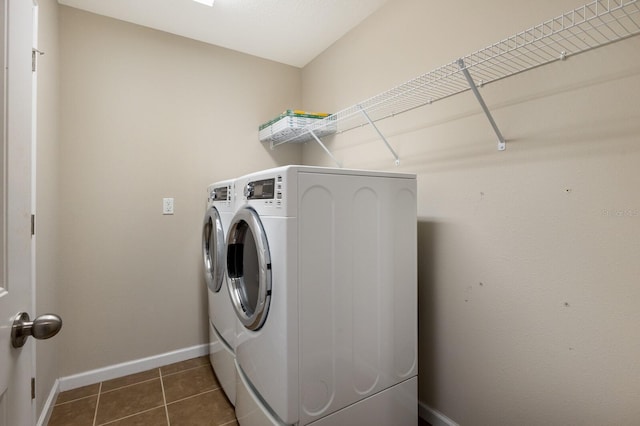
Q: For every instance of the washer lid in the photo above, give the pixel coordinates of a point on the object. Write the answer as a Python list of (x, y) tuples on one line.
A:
[(249, 268), (213, 249)]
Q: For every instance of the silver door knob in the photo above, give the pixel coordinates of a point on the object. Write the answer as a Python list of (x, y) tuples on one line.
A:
[(43, 327)]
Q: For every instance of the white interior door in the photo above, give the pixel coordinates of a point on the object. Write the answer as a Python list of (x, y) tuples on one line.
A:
[(16, 293)]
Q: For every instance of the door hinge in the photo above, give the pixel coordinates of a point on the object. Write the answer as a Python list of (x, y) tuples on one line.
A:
[(33, 225), (33, 388), (34, 55)]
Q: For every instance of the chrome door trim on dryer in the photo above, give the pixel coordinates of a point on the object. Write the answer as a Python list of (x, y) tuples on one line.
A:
[(213, 252), (250, 303)]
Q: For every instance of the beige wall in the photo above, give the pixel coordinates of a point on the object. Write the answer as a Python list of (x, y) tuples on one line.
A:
[(48, 352), (147, 115), (528, 258)]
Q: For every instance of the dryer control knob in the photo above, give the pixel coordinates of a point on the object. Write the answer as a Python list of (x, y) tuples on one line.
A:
[(248, 190)]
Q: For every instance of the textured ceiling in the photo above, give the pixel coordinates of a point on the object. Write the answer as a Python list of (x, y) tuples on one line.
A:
[(292, 32)]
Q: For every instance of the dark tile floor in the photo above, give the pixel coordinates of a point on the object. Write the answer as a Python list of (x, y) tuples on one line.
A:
[(181, 394)]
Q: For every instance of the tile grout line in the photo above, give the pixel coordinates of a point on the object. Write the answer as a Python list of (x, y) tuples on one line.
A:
[(186, 369), (193, 396), (129, 416), (75, 400), (131, 384), (95, 414), (164, 398)]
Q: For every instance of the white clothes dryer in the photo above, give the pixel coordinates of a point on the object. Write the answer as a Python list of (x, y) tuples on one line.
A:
[(322, 270), (222, 320)]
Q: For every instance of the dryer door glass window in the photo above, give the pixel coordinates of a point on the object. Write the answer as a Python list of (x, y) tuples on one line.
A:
[(249, 269), (213, 249)]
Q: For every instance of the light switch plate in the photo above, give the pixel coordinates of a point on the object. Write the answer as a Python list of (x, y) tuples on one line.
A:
[(167, 206)]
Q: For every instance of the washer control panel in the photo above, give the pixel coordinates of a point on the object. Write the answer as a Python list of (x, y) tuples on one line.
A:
[(260, 190), (221, 195), (269, 190)]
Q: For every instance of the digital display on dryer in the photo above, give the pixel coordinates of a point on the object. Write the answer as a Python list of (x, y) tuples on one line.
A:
[(261, 189), (220, 193)]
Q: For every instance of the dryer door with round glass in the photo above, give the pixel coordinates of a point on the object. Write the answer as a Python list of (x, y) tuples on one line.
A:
[(213, 249), (249, 268)]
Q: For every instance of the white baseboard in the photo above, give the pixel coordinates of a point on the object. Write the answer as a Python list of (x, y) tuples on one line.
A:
[(130, 367), (434, 417), (45, 415)]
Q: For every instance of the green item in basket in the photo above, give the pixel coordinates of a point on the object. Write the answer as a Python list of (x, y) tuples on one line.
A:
[(295, 113)]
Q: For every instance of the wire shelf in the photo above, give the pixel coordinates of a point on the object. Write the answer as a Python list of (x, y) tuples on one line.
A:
[(595, 24)]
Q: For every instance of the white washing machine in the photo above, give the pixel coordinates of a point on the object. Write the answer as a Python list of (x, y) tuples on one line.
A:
[(222, 318), (322, 269)]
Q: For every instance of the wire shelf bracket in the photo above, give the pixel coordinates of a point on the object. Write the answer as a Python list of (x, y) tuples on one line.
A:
[(502, 145), (335, 160), (593, 25), (393, 152)]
